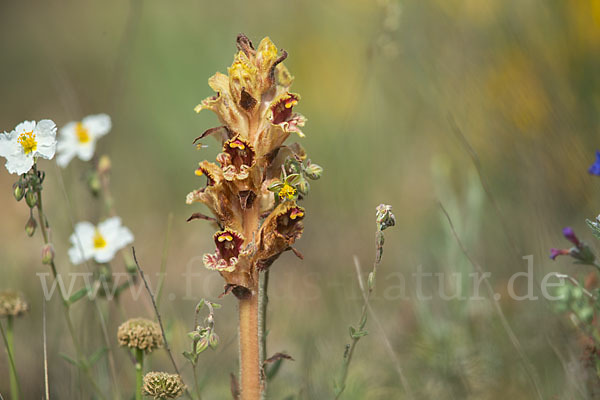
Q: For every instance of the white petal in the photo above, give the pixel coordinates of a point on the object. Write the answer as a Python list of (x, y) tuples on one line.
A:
[(97, 125), (105, 255), (25, 126), (85, 151), (109, 226), (8, 143), (65, 155), (68, 144), (46, 128), (67, 131), (82, 241), (19, 164), (124, 238), (45, 135)]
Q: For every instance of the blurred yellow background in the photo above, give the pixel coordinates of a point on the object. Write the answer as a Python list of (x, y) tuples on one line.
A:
[(381, 84)]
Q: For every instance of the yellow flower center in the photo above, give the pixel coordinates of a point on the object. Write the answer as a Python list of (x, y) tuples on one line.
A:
[(291, 102), (225, 237), (287, 191), (28, 142), (99, 241), (82, 134), (237, 144), (296, 213)]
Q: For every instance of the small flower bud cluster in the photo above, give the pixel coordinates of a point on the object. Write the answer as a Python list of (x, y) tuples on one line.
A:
[(204, 336), (161, 385), (581, 252), (12, 304), (140, 333), (384, 217), (254, 189)]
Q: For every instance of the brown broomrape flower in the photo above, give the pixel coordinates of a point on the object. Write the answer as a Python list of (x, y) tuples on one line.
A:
[(229, 246), (162, 385), (140, 333), (279, 231), (237, 159), (12, 304)]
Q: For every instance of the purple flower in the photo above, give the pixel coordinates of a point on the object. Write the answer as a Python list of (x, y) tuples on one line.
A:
[(558, 252), (570, 236), (595, 168)]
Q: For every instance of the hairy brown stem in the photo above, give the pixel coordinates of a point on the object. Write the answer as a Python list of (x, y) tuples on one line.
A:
[(249, 348)]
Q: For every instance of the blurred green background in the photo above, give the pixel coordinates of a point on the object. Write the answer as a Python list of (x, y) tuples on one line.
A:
[(381, 83)]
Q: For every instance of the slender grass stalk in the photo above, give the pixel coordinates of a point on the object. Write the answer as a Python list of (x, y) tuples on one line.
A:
[(43, 222), (158, 317), (385, 219), (139, 373), (46, 381), (341, 383), (163, 260), (15, 388)]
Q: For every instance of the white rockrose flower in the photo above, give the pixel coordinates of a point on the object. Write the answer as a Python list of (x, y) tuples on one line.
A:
[(98, 242), (79, 138), (28, 141)]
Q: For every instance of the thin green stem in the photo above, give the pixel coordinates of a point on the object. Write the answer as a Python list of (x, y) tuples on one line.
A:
[(139, 373), (197, 387), (358, 333), (15, 388), (43, 222)]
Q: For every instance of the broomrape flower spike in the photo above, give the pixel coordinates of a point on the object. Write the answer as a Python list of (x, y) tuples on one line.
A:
[(98, 242), (78, 139), (161, 385), (29, 141), (251, 195)]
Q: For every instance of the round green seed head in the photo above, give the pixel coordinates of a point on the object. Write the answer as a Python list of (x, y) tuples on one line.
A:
[(161, 385)]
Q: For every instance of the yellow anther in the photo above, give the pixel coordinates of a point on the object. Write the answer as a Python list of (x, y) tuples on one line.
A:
[(82, 133), (225, 237), (28, 142), (99, 241)]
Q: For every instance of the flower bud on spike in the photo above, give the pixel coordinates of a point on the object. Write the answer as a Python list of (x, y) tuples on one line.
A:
[(313, 171), (94, 183), (31, 199), (18, 191), (202, 345), (385, 218), (213, 340), (104, 165), (47, 254), (30, 227)]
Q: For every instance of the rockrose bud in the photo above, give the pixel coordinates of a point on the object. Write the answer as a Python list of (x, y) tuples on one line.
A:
[(47, 254), (31, 198), (30, 226), (18, 191)]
